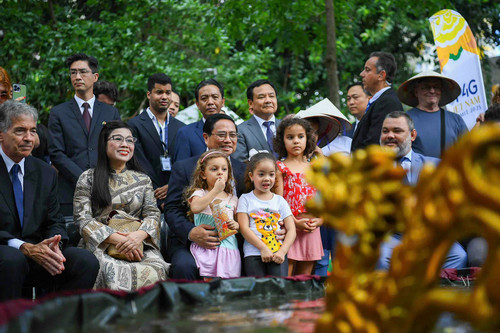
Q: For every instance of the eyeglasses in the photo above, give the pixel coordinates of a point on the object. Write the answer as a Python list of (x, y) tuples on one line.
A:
[(130, 140), (82, 72), (233, 136)]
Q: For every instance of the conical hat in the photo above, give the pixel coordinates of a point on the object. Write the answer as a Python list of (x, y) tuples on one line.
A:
[(331, 120), (449, 92)]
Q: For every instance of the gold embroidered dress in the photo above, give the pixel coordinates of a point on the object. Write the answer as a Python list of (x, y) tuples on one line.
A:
[(131, 195)]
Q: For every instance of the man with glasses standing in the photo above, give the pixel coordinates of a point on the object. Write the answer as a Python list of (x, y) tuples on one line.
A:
[(437, 128), (74, 128), (156, 131)]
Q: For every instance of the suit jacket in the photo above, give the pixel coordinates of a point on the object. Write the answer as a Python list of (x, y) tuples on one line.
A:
[(176, 208), (149, 147), (369, 128), (250, 136), (190, 141), (352, 130), (42, 218), (417, 162), (72, 148)]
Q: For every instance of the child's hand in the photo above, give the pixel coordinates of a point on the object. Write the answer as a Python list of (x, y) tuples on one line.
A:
[(279, 257), (233, 225), (219, 185), (315, 222), (267, 255), (302, 223)]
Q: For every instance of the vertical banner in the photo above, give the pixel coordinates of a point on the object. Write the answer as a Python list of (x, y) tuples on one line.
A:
[(459, 59)]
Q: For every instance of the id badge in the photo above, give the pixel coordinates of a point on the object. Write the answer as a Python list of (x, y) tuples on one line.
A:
[(166, 165)]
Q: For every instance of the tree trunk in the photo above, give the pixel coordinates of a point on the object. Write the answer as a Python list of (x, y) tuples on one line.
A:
[(331, 54)]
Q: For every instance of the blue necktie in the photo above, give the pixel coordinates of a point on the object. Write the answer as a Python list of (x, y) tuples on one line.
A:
[(18, 192), (406, 179), (269, 134)]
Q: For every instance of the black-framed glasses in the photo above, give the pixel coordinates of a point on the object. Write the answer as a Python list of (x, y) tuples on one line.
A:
[(129, 140), (233, 136), (82, 72)]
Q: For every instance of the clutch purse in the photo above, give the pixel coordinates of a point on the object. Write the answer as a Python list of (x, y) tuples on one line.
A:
[(221, 220), (121, 224)]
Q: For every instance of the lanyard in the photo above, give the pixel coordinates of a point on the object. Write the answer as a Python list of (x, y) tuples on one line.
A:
[(163, 135)]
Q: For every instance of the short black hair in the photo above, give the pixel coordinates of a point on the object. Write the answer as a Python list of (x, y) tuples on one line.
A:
[(106, 88), (493, 113), (385, 62), (399, 114), (159, 78), (209, 82), (210, 122), (256, 84), (93, 63), (367, 93)]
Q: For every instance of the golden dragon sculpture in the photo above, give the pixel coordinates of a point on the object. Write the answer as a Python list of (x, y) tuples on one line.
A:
[(364, 198)]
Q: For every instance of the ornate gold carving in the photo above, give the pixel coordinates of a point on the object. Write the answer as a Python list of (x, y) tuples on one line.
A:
[(363, 197)]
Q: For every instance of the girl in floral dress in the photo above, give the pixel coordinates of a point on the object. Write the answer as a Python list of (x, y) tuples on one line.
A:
[(293, 143)]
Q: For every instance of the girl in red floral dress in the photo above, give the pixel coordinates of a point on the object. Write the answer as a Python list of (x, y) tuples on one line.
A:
[(294, 143)]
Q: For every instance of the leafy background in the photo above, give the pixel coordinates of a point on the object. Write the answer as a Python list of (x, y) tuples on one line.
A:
[(282, 40)]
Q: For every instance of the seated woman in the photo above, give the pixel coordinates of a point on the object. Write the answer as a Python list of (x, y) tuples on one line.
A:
[(117, 188)]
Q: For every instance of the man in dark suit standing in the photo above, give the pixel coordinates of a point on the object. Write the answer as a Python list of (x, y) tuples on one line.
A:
[(398, 133), (258, 131), (74, 128), (209, 100), (378, 76), (219, 132), (33, 238), (357, 102), (156, 131)]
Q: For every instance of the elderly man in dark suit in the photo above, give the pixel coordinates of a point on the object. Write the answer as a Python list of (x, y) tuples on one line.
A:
[(74, 128), (378, 76), (156, 132), (209, 100), (33, 239), (258, 132), (398, 133), (219, 132)]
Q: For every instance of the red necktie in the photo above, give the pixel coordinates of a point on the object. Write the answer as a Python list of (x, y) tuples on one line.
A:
[(86, 115)]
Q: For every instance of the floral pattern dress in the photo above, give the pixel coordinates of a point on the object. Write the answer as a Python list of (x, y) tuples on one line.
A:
[(131, 196), (307, 245)]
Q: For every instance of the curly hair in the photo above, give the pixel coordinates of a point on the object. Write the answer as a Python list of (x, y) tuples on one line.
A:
[(253, 162), (198, 182), (279, 140)]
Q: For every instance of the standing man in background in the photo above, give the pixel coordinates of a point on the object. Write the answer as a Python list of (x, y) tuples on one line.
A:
[(74, 128)]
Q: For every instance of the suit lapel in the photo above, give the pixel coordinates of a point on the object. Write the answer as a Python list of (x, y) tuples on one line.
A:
[(6, 189), (148, 125), (29, 189), (255, 128), (171, 134), (78, 115), (199, 130), (97, 118)]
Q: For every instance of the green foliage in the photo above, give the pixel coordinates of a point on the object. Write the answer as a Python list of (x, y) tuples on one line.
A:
[(282, 40)]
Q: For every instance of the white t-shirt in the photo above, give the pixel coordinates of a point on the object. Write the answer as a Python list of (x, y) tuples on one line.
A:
[(267, 213)]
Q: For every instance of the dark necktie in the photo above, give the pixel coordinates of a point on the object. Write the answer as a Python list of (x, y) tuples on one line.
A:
[(18, 192), (269, 134), (86, 115)]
